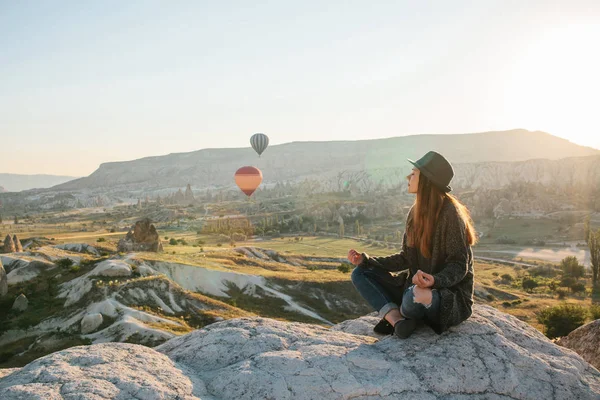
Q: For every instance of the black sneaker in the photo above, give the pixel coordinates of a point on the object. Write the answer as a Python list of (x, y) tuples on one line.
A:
[(383, 327), (404, 328)]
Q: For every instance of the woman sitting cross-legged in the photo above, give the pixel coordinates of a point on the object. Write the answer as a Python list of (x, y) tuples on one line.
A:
[(431, 278)]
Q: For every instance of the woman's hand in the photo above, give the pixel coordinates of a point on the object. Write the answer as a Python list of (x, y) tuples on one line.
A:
[(423, 280), (355, 257)]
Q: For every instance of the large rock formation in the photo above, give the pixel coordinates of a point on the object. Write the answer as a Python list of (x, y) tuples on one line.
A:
[(585, 340), (3, 280), (490, 356), (18, 245), (9, 245), (141, 237)]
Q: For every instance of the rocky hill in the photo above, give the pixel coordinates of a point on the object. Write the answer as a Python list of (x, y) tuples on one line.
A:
[(297, 161), (490, 356)]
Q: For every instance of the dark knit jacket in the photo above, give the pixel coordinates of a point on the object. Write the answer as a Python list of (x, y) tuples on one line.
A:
[(451, 265)]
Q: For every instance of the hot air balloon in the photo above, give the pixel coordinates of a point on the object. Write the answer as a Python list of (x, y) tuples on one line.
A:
[(259, 142), (248, 179)]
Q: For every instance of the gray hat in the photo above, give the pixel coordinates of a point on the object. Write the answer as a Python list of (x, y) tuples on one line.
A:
[(435, 167)]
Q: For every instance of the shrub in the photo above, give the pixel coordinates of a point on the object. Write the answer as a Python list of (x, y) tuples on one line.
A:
[(100, 240), (219, 244), (312, 268), (495, 274), (74, 268), (529, 284), (571, 267), (595, 311), (578, 287), (544, 271), (64, 262), (344, 268), (561, 320), (173, 242), (507, 277), (568, 281), (562, 294), (238, 237)]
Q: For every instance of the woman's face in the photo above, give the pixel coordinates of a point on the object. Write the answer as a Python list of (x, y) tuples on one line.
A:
[(413, 180)]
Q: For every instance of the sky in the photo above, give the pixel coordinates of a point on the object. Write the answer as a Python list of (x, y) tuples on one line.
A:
[(86, 82)]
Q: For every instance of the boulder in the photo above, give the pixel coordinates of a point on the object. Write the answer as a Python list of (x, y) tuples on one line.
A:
[(490, 356), (3, 280), (91, 322), (585, 341), (20, 303), (18, 245), (102, 371), (9, 245), (141, 237)]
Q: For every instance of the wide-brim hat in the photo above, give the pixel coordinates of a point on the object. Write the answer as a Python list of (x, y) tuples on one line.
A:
[(435, 167)]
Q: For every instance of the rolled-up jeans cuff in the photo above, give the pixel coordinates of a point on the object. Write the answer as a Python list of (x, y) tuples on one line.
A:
[(387, 308)]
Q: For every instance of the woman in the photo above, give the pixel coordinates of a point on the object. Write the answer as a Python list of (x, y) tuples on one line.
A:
[(435, 265)]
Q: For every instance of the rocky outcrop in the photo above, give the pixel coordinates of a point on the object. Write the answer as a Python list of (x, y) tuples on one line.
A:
[(102, 371), (18, 245), (9, 245), (3, 280), (585, 341), (91, 322), (490, 356), (21, 303), (141, 237)]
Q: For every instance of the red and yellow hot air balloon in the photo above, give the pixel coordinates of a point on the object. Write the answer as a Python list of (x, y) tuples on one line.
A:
[(248, 179)]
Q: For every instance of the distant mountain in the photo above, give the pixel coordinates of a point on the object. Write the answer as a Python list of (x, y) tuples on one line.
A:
[(299, 160), (18, 182)]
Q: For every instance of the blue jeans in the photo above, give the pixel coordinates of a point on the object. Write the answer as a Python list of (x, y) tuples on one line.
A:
[(384, 293)]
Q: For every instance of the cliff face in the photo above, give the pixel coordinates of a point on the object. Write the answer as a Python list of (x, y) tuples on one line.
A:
[(490, 356)]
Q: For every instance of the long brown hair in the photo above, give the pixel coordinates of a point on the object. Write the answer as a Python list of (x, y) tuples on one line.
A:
[(425, 212)]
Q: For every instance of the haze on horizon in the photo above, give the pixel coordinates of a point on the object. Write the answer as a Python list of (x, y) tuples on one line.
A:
[(85, 82)]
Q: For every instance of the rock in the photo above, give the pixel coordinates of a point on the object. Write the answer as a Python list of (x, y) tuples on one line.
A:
[(9, 245), (585, 341), (100, 371), (112, 268), (91, 322), (20, 303), (3, 280), (79, 248), (141, 237), (490, 356), (17, 242)]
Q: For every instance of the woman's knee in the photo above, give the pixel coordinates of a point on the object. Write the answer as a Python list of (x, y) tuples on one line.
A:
[(423, 296), (408, 307), (357, 275)]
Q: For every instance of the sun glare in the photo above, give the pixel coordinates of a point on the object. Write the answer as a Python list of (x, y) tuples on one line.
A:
[(555, 84)]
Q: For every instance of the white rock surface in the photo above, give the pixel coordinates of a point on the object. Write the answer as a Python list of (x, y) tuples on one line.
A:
[(112, 268), (21, 303), (79, 248), (102, 371), (491, 356), (75, 289), (91, 322)]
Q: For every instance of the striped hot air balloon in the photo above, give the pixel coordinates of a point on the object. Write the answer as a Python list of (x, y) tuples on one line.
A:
[(259, 142), (248, 179)]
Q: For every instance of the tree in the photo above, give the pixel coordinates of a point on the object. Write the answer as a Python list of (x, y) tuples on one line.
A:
[(529, 284), (571, 267), (16, 219), (594, 245), (561, 320)]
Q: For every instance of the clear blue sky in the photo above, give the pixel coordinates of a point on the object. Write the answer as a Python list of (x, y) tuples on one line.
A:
[(86, 82)]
